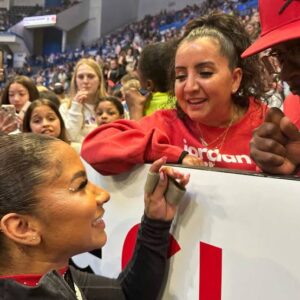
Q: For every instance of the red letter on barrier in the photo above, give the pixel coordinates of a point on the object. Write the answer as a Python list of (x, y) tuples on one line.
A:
[(129, 244), (210, 272)]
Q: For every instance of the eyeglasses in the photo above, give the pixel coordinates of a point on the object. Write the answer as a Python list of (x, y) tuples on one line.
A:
[(275, 59)]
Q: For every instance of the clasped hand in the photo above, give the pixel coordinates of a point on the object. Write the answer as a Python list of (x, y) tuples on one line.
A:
[(156, 206), (275, 145)]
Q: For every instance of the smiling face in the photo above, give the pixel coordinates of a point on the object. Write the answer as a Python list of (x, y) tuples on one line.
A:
[(106, 112), (87, 80), (18, 95), (45, 121), (204, 82), (71, 208)]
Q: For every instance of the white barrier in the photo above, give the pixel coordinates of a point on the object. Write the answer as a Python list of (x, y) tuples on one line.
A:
[(252, 221)]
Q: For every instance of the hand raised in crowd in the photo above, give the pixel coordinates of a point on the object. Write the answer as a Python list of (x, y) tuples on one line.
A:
[(275, 145), (136, 103), (2, 74), (156, 206), (81, 96), (8, 122)]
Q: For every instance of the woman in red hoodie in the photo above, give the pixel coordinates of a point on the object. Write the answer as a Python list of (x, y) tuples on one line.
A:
[(218, 107)]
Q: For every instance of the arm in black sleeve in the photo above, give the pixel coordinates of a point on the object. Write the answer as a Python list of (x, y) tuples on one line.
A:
[(143, 276)]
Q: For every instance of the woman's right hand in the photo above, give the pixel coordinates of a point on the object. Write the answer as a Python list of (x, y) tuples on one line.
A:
[(81, 96)]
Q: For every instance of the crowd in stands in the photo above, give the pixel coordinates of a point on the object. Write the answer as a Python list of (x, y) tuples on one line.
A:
[(132, 64), (124, 46), (15, 14)]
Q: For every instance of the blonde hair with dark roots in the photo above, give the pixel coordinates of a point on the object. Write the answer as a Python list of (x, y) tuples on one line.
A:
[(97, 69)]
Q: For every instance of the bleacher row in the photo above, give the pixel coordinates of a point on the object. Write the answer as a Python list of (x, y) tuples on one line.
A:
[(160, 27), (15, 14)]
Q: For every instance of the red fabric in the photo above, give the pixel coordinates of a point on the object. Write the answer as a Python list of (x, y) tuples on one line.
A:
[(291, 108), (30, 279), (276, 27), (116, 147)]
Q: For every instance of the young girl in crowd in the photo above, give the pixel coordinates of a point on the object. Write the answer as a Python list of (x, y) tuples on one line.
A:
[(153, 71), (108, 109), (218, 107), (87, 86), (43, 117), (49, 212), (20, 91)]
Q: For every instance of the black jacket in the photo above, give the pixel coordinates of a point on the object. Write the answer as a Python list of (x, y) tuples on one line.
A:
[(141, 280)]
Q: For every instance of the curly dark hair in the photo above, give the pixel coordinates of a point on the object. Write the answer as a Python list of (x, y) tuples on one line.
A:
[(155, 61), (114, 100), (233, 39)]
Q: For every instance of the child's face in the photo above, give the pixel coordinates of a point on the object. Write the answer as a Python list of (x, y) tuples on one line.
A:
[(45, 121), (106, 112), (18, 95)]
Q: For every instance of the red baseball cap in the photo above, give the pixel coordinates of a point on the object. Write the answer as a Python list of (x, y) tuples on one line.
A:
[(280, 22)]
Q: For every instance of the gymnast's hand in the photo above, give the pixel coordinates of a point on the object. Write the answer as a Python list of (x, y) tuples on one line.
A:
[(156, 206)]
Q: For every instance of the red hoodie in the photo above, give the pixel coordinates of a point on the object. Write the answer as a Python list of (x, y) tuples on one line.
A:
[(117, 147), (291, 108)]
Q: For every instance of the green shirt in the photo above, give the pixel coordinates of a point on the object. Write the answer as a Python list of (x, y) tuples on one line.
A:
[(159, 101)]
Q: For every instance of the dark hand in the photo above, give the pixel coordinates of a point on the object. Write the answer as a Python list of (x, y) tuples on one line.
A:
[(275, 145)]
